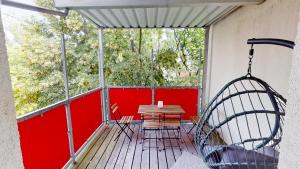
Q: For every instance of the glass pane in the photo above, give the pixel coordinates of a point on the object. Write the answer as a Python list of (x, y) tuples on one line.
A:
[(82, 54), (33, 45)]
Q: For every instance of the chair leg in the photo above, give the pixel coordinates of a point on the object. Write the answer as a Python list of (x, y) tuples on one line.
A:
[(130, 128), (122, 131), (191, 129)]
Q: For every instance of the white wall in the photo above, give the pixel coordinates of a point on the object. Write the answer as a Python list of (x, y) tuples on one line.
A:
[(229, 51), (10, 152), (290, 146)]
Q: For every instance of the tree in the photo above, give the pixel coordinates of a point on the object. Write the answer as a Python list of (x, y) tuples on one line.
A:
[(36, 67)]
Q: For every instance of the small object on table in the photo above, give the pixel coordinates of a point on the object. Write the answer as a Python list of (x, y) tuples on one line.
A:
[(160, 104)]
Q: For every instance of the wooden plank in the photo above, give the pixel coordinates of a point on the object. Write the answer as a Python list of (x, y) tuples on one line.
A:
[(145, 159), (124, 151), (115, 153), (189, 138), (104, 148), (93, 150), (162, 159), (168, 149), (174, 144), (153, 151), (137, 158), (187, 142), (129, 155)]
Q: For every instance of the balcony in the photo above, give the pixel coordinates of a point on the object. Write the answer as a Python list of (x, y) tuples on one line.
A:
[(81, 131), (94, 139)]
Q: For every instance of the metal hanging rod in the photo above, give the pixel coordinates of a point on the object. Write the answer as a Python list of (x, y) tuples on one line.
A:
[(33, 8), (272, 41)]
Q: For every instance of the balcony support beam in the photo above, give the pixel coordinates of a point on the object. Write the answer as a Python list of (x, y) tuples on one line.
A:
[(199, 103), (67, 105), (205, 69), (104, 93), (152, 77)]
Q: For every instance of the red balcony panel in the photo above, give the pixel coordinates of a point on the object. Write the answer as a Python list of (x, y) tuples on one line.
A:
[(185, 97), (86, 117), (44, 140), (129, 100)]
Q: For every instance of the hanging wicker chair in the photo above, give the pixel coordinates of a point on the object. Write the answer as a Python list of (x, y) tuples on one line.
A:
[(242, 125)]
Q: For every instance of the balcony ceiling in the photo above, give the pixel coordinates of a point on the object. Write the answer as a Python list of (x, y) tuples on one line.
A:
[(153, 13)]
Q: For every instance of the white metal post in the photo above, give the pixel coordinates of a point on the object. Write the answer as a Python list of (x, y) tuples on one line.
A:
[(152, 77), (105, 111), (67, 105), (199, 83), (204, 68)]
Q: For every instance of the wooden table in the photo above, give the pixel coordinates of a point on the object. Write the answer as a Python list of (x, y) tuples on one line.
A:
[(167, 109), (166, 118)]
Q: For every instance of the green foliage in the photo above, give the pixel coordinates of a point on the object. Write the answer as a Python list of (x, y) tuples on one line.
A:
[(36, 67)]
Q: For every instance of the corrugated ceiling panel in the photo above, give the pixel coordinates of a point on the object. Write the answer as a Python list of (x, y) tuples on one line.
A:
[(197, 16), (202, 15), (161, 13), (105, 20), (171, 16), (222, 14), (133, 22), (122, 17), (151, 17), (194, 14), (212, 15), (182, 15), (107, 13), (142, 16)]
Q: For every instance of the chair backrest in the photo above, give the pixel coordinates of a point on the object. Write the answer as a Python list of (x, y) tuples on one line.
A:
[(115, 111)]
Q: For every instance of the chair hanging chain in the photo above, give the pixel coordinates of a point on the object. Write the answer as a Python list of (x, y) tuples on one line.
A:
[(251, 53)]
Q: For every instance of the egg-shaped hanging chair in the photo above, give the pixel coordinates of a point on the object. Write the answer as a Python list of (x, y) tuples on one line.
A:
[(241, 127)]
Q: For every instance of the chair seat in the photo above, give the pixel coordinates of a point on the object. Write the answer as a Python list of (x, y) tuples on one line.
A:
[(126, 120)]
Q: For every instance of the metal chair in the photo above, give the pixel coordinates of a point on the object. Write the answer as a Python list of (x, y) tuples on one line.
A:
[(194, 120), (124, 121)]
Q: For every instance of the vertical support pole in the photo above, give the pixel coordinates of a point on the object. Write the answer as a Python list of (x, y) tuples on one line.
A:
[(67, 105), (105, 115), (152, 77), (199, 83), (204, 68)]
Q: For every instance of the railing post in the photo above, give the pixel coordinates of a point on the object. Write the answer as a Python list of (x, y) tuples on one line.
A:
[(67, 105), (105, 110), (199, 105), (152, 77)]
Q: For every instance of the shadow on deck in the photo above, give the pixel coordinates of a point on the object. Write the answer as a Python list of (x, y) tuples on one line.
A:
[(126, 154)]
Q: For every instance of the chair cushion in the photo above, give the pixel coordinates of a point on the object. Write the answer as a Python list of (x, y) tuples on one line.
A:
[(189, 161), (251, 159)]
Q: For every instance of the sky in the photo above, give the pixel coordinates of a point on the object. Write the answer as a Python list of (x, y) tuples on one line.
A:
[(14, 17), (19, 13)]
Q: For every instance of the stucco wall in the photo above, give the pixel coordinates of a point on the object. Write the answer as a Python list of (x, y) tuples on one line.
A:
[(228, 53), (10, 152), (290, 146)]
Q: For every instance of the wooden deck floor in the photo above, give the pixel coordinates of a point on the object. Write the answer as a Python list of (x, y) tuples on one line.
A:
[(126, 154)]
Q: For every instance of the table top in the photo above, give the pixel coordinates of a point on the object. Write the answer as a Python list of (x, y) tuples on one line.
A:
[(167, 109)]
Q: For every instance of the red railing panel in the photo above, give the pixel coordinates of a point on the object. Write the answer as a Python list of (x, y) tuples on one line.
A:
[(44, 140), (185, 97), (86, 117), (129, 100)]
